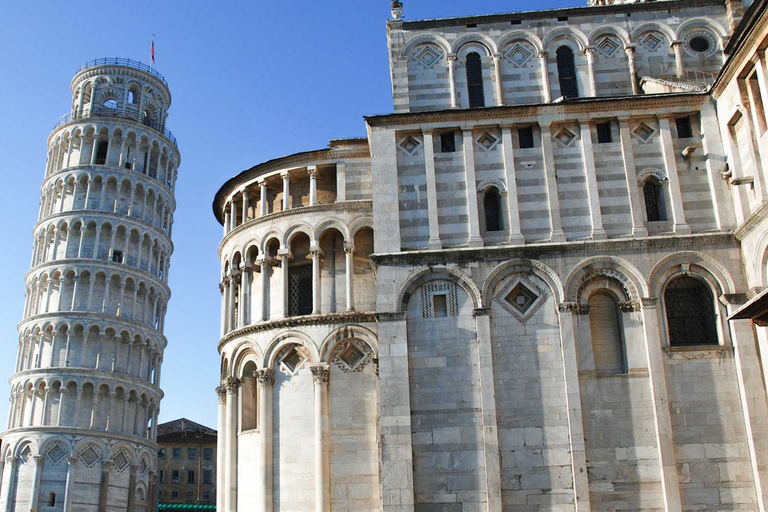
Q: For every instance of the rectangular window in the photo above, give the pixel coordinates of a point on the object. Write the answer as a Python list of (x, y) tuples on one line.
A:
[(190, 477), (177, 453), (447, 142), (207, 496), (190, 495), (161, 476), (192, 453), (174, 494), (208, 453), (757, 102), (684, 130), (117, 256), (207, 476), (175, 475), (525, 137), (604, 133), (440, 305), (160, 494)]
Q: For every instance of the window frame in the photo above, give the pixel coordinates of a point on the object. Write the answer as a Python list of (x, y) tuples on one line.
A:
[(718, 333), (604, 132), (475, 85), (445, 145), (520, 137), (687, 125), (565, 60)]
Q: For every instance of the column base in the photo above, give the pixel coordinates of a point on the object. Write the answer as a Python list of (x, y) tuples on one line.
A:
[(557, 236), (516, 239), (475, 242), (640, 232), (434, 244), (682, 229), (599, 234)]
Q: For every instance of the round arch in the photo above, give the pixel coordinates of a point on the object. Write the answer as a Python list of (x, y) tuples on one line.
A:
[(289, 338), (544, 272), (438, 273)]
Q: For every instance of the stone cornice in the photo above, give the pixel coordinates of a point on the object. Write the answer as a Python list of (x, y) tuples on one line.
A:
[(80, 264), (534, 251), (753, 221), (322, 156), (85, 432), (300, 321), (88, 318), (59, 373), (610, 107), (98, 215), (365, 205), (109, 169), (396, 316), (745, 45)]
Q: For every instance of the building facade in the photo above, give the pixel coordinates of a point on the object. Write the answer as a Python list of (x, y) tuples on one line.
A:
[(86, 393), (523, 289), (186, 471)]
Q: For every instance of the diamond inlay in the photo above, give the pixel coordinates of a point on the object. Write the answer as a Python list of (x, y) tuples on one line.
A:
[(292, 360), (121, 461), (428, 56), (521, 298), (518, 55), (89, 456), (652, 41), (351, 355), (565, 137), (607, 46), (56, 453), (643, 132), (26, 454), (410, 145), (487, 141), (143, 466)]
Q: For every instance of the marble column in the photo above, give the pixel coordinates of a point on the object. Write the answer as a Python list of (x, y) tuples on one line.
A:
[(670, 162), (106, 466), (588, 156), (221, 446), (320, 375), (349, 274), (589, 52), (556, 223), (432, 213), (264, 474), (230, 480), (286, 190), (312, 171), (71, 465), (452, 58), (316, 254), (543, 63), (36, 479), (497, 60), (630, 175), (630, 51), (475, 240), (9, 493), (510, 177)]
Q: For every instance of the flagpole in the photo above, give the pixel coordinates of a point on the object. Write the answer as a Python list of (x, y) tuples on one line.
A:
[(152, 53)]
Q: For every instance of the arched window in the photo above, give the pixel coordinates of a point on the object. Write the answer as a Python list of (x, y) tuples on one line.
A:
[(654, 208), (475, 81), (101, 152), (492, 208), (566, 72), (691, 318), (52, 499), (607, 334), (248, 398)]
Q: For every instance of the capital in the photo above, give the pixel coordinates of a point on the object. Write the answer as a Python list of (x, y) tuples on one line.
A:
[(266, 376), (312, 171), (349, 247), (543, 54), (39, 460), (567, 307), (284, 175), (649, 302), (629, 306), (221, 392), (72, 461), (320, 374), (232, 384)]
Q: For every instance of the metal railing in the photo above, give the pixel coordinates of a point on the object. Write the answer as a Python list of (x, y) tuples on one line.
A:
[(667, 71), (118, 113), (116, 61)]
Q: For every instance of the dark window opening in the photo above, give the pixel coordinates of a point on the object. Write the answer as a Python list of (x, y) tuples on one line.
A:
[(101, 152), (52, 499), (653, 203), (516, 22), (192, 453), (492, 207), (117, 256), (190, 477), (699, 44), (684, 130), (161, 477), (562, 18), (300, 300), (475, 81), (208, 453), (471, 25), (604, 133), (207, 476), (566, 72), (691, 317), (447, 142), (175, 475), (525, 137), (440, 305)]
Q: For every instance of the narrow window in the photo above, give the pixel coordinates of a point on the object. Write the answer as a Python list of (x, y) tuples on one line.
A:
[(161, 476), (525, 137), (177, 453), (52, 499), (206, 496), (175, 475), (566, 72), (447, 142), (101, 152), (192, 453), (440, 305), (190, 477), (684, 130), (653, 203), (691, 317), (117, 256), (492, 207), (300, 299), (606, 329), (207, 476), (174, 494), (130, 97), (208, 453), (604, 133), (475, 81), (757, 102)]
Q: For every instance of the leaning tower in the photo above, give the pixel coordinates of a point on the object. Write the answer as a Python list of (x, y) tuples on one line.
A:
[(86, 392)]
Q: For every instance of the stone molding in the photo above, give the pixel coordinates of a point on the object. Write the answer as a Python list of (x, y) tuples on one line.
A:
[(642, 105), (79, 433), (357, 206), (699, 352), (117, 69), (320, 374), (396, 316), (298, 321), (753, 221), (536, 250), (96, 120), (737, 60), (75, 373)]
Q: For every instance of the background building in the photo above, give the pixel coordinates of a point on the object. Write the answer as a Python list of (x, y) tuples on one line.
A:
[(186, 463), (86, 392), (515, 293)]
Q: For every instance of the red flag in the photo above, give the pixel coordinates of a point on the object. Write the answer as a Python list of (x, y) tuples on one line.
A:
[(153, 49)]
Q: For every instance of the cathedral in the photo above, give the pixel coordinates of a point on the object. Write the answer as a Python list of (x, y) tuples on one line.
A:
[(537, 285)]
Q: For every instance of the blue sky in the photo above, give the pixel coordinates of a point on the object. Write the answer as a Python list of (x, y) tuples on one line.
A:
[(250, 81)]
